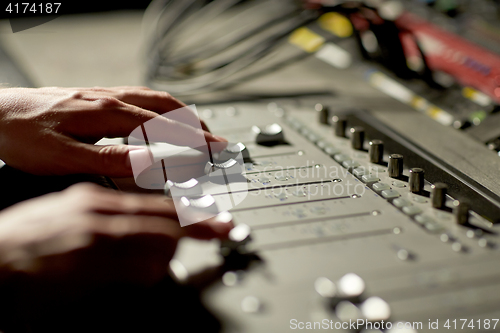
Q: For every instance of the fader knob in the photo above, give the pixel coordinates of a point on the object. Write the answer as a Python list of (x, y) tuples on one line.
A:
[(202, 203), (416, 183), (439, 195), (270, 134), (395, 168), (462, 213), (185, 189), (376, 151), (339, 124), (357, 137), (229, 167), (233, 151)]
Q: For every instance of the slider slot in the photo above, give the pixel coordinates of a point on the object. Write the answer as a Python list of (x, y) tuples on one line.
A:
[(277, 170), (289, 204), (299, 222), (327, 239), (276, 186)]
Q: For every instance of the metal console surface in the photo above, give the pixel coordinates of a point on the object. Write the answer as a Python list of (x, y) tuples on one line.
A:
[(335, 238)]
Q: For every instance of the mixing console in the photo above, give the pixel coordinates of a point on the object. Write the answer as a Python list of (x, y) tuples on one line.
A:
[(344, 221)]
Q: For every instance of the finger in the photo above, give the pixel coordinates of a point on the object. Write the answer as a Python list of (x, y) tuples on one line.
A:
[(110, 117), (130, 225), (110, 202), (157, 101)]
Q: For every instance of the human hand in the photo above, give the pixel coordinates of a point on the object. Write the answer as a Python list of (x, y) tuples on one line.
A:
[(52, 131), (88, 236)]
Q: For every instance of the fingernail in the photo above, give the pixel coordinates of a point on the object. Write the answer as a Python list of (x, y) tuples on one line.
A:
[(219, 138), (139, 159), (224, 217)]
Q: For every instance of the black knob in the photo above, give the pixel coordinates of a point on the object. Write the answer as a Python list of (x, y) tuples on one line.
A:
[(376, 151), (462, 213), (416, 180), (339, 124), (324, 113), (439, 195), (395, 168), (357, 137)]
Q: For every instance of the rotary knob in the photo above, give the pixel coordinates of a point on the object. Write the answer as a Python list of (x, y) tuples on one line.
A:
[(461, 212), (416, 183), (376, 151), (339, 124), (324, 113), (357, 137), (439, 195), (269, 135), (189, 188), (395, 168)]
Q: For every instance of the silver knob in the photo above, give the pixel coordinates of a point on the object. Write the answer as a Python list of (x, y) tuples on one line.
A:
[(270, 134), (229, 167), (233, 151), (204, 203), (189, 188)]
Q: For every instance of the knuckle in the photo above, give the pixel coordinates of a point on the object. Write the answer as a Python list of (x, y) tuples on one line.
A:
[(111, 156), (76, 95), (108, 102)]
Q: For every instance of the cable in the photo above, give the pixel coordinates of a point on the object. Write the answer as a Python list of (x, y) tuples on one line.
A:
[(199, 46)]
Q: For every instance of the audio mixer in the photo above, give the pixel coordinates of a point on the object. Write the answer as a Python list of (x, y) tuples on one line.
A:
[(344, 221)]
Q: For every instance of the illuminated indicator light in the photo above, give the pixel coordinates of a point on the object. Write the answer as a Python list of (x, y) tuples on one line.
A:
[(477, 117), (433, 111), (476, 96), (468, 92), (419, 103), (335, 56), (306, 40), (337, 24)]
